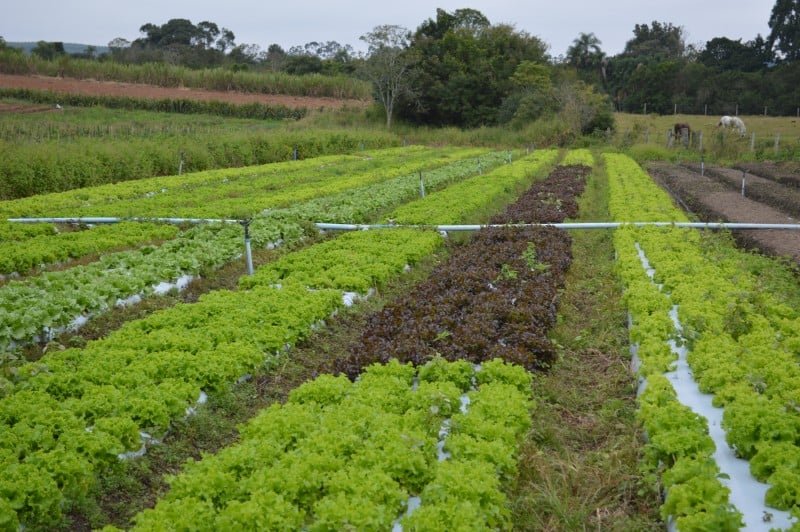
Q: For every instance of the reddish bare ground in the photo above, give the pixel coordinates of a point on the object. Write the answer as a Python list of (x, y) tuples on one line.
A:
[(135, 90), (712, 200), (23, 108)]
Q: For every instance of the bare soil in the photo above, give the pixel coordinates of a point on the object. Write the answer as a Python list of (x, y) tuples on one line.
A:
[(23, 108), (135, 90), (783, 197), (785, 172), (712, 200)]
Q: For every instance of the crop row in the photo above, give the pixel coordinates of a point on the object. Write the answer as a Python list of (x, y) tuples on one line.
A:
[(742, 339), (254, 110), (216, 194), (341, 455), (48, 167), (23, 256), (466, 197), (149, 371), (494, 297), (54, 299), (461, 494), (71, 414)]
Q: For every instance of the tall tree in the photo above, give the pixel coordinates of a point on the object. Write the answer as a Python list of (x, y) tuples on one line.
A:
[(48, 50), (464, 68), (659, 40), (388, 65), (726, 54), (585, 52), (784, 23)]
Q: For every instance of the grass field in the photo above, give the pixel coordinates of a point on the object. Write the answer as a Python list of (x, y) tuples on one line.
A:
[(34, 125)]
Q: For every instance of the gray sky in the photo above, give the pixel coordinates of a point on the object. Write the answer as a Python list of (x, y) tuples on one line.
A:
[(296, 22)]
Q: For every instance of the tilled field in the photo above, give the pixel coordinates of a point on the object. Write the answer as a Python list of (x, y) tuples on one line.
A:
[(786, 173), (714, 199), (783, 197)]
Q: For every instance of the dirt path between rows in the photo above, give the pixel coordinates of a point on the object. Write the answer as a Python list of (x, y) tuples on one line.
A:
[(135, 90), (715, 201)]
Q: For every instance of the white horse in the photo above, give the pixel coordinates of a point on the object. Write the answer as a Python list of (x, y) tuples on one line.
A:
[(734, 122)]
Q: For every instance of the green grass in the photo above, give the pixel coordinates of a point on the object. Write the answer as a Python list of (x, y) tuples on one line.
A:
[(73, 123), (579, 465), (645, 138)]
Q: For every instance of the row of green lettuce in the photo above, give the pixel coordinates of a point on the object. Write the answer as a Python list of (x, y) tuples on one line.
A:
[(348, 456), (142, 197), (365, 482), (72, 413), (47, 249), (218, 194), (52, 300), (54, 166), (743, 348)]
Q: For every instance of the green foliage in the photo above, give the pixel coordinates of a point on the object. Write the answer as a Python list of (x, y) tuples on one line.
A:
[(464, 68), (49, 249), (258, 111), (466, 198), (341, 455), (54, 299), (38, 168), (742, 350)]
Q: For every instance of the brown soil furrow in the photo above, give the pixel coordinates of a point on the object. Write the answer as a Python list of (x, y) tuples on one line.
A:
[(715, 201)]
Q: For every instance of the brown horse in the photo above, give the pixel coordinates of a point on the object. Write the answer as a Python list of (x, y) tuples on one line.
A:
[(682, 132), (679, 129)]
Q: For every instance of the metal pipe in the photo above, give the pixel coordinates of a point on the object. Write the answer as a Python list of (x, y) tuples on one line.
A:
[(247, 251), (568, 226), (112, 220)]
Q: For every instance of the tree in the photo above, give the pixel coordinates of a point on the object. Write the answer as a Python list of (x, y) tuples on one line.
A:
[(118, 44), (726, 54), (49, 50), (245, 54), (207, 33), (585, 52), (388, 65), (659, 40), (533, 96), (464, 68), (226, 40), (275, 56), (784, 23), (176, 31)]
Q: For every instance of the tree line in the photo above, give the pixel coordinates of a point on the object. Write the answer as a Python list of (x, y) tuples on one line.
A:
[(459, 69), (659, 72)]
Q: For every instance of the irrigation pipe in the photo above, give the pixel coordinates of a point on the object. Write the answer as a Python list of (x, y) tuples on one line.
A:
[(588, 225)]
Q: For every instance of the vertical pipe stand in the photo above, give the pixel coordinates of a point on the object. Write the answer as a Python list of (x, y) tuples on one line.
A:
[(248, 253)]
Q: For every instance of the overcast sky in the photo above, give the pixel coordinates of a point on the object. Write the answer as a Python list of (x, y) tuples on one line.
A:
[(290, 23)]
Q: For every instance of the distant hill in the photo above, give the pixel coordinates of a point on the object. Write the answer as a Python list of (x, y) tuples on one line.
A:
[(69, 47)]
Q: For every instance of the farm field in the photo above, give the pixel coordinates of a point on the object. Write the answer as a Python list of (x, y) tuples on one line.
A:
[(60, 85), (317, 303), (717, 196), (658, 125), (482, 379), (57, 299), (78, 147)]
